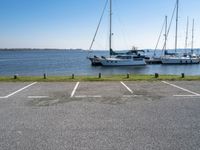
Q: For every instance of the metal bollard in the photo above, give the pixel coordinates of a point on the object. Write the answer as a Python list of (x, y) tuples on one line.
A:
[(99, 75), (156, 75), (182, 75), (72, 76)]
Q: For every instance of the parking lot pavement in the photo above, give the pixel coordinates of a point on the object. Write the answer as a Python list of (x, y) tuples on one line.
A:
[(150, 116)]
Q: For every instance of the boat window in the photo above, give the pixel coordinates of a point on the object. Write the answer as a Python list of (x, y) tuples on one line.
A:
[(118, 57), (124, 57), (138, 59)]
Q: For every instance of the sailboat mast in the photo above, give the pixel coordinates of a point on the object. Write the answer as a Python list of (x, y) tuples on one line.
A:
[(186, 38), (165, 46), (110, 35), (177, 9), (192, 36)]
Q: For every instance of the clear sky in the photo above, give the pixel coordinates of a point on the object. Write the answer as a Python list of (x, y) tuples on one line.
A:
[(72, 23)]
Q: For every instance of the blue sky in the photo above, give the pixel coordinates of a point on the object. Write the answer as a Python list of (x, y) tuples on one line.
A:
[(72, 23)]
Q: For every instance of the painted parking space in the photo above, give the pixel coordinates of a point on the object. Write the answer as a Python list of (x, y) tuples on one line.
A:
[(101, 89), (8, 90), (154, 90), (190, 88), (45, 94), (192, 85), (49, 90)]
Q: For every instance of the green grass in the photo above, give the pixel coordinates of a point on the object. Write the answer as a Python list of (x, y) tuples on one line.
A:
[(96, 78)]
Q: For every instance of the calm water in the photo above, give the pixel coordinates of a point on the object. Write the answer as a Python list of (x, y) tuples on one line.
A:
[(63, 62)]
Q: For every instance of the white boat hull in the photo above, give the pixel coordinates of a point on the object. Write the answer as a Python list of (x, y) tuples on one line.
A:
[(121, 62), (181, 60)]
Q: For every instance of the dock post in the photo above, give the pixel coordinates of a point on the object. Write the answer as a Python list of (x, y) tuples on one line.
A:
[(15, 76), (128, 75), (99, 75), (182, 75), (156, 75), (44, 75)]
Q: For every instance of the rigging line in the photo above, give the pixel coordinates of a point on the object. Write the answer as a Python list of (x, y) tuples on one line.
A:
[(170, 24), (98, 25), (122, 29), (159, 38)]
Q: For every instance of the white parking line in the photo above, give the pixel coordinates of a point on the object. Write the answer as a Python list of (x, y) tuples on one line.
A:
[(35, 97), (129, 96), (186, 90), (74, 90), (18, 91), (127, 87), (88, 96), (187, 95)]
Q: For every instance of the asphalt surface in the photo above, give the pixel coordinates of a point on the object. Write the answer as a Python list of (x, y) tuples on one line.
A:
[(100, 116)]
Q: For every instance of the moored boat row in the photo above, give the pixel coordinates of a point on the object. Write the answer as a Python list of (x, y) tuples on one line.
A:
[(136, 57), (130, 58), (135, 60)]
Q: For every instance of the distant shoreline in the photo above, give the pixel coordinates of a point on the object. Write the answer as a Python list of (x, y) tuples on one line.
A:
[(30, 49), (79, 49)]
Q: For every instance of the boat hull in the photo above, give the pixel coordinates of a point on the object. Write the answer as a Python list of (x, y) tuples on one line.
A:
[(130, 62), (180, 60), (154, 61), (96, 61)]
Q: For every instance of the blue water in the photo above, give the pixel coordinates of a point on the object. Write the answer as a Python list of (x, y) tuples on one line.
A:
[(67, 62)]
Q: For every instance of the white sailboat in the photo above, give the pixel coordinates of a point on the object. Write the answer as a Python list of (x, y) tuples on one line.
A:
[(157, 59), (179, 58), (131, 58)]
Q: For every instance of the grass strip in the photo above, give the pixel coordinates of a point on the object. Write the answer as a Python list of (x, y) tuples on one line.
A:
[(132, 77)]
